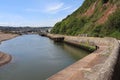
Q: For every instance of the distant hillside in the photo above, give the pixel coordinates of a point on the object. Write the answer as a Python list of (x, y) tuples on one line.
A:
[(95, 18)]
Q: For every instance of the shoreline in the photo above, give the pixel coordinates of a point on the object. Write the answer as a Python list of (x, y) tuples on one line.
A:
[(98, 65), (4, 57)]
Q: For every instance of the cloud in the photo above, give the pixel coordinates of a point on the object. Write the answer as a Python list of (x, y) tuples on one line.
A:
[(50, 8), (54, 7), (66, 8)]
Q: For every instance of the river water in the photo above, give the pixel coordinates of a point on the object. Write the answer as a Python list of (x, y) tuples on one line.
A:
[(37, 58)]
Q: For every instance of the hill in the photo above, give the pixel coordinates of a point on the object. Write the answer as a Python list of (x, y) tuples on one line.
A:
[(95, 18)]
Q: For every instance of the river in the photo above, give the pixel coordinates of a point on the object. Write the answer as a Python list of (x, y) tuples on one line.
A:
[(37, 58)]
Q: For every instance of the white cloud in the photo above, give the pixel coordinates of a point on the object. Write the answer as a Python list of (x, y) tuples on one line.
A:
[(50, 8), (66, 8), (54, 7)]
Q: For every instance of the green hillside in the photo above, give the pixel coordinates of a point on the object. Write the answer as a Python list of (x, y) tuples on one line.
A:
[(95, 17)]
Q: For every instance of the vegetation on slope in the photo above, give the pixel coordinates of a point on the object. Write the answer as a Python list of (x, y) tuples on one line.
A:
[(112, 25), (94, 17)]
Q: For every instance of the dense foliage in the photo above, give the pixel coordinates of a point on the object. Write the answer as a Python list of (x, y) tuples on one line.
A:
[(112, 26), (78, 23)]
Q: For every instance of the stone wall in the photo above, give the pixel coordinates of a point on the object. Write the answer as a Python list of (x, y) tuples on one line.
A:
[(106, 71), (99, 65)]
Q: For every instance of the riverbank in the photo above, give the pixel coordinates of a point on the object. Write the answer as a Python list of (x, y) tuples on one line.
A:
[(99, 65), (5, 58)]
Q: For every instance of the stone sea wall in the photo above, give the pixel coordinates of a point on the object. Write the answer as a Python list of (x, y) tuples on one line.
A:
[(99, 65)]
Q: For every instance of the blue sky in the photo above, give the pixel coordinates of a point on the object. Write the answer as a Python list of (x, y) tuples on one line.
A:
[(35, 12)]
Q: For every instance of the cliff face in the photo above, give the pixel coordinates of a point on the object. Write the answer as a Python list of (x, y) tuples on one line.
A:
[(94, 17)]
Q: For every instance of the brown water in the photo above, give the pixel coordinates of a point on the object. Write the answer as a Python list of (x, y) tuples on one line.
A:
[(37, 58)]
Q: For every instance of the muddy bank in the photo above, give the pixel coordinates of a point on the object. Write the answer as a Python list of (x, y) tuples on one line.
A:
[(5, 58), (4, 36)]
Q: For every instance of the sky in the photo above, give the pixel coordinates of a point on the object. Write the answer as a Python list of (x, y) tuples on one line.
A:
[(35, 13)]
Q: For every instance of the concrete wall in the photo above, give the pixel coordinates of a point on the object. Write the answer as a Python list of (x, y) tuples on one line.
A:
[(99, 65), (106, 71), (116, 73)]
